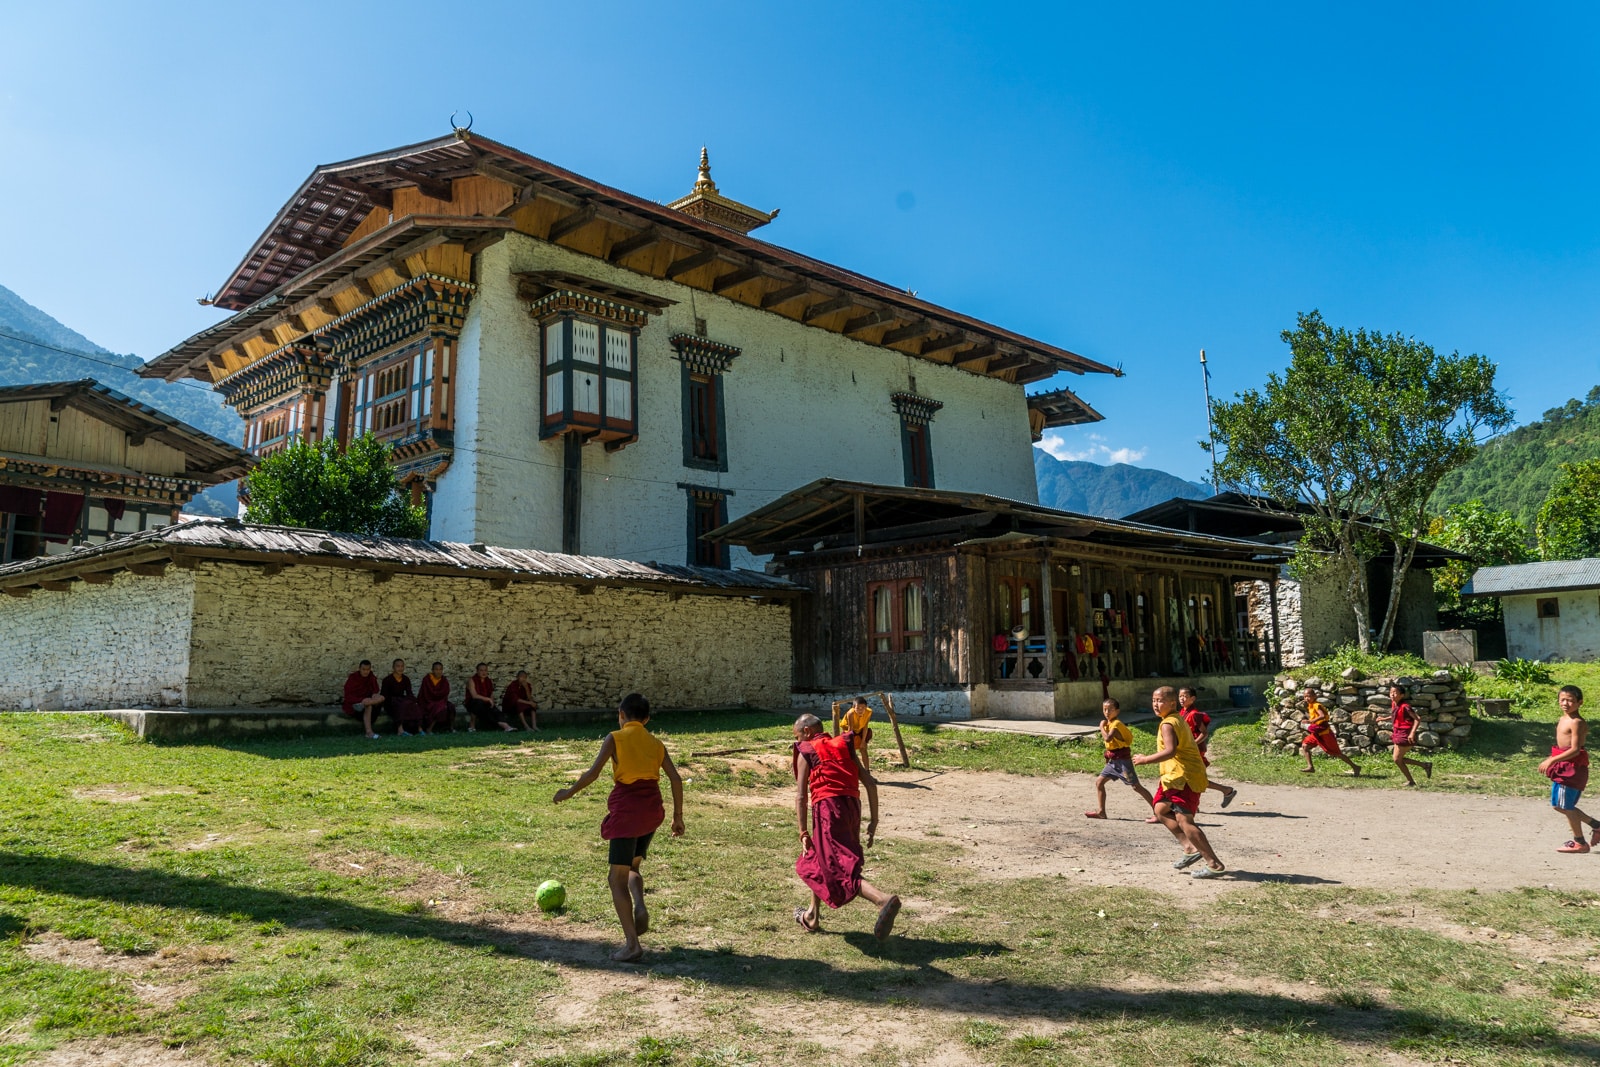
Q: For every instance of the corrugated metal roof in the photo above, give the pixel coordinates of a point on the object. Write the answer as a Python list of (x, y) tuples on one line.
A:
[(1550, 577), (222, 538)]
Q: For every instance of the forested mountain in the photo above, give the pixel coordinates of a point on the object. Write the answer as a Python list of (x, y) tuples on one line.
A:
[(1108, 491), (36, 348), (1513, 472)]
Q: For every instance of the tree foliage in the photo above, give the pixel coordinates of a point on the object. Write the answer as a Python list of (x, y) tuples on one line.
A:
[(1489, 538), (1569, 518), (1359, 429), (316, 485)]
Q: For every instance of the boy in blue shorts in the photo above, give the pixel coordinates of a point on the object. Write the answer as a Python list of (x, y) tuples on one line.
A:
[(1118, 741), (1568, 769)]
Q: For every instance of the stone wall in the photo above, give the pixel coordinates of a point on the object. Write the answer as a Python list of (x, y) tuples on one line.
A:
[(292, 637), (121, 644), (1355, 704)]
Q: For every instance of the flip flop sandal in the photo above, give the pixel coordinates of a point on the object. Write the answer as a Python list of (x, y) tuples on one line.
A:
[(1573, 846), (1209, 872), (1189, 859), (885, 923), (1094, 815), (800, 917), (1227, 797)]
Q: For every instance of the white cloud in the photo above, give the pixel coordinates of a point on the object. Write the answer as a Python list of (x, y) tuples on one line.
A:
[(1094, 450)]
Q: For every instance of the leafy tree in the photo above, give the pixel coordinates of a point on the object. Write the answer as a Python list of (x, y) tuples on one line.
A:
[(1569, 519), (316, 485), (1490, 538), (1358, 430)]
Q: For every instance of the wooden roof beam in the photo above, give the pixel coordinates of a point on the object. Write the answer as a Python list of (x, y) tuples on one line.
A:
[(906, 333), (939, 344), (869, 320), (972, 355), (827, 307), (381, 197), (570, 223), (689, 263), (429, 187), (735, 278), (784, 295), (1006, 362), (626, 247)]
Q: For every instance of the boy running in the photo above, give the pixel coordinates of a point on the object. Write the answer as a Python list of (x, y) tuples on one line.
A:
[(1568, 768), (1118, 740), (1403, 733), (1319, 733), (1183, 779), (855, 721), (633, 812), (1199, 724), (828, 774)]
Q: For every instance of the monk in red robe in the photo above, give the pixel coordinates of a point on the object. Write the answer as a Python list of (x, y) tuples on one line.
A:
[(481, 710), (433, 695), (518, 700), (401, 701), (829, 775), (361, 695)]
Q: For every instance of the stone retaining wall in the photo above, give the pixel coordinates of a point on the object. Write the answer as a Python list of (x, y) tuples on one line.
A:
[(1356, 704)]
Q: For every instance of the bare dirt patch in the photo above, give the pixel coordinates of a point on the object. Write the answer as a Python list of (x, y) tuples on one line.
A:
[(160, 979), (111, 794), (108, 1053)]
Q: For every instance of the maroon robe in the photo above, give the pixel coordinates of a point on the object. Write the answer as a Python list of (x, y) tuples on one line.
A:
[(357, 689), (511, 700), (434, 697), (399, 699), (633, 809), (831, 867)]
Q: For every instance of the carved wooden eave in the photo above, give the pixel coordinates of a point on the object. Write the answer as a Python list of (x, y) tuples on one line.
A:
[(300, 272), (426, 306), (703, 354), (546, 292), (300, 367), (1059, 407)]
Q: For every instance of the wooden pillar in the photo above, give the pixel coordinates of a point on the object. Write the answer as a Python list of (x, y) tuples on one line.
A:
[(1277, 647), (1046, 595), (571, 493), (83, 521)]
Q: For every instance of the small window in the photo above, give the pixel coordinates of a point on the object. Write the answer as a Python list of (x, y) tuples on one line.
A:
[(702, 423), (898, 616), (708, 509), (1549, 607), (919, 456)]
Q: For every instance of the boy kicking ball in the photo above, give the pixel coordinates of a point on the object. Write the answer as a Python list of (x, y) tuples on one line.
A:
[(633, 812), (1568, 768), (1118, 741), (1319, 734)]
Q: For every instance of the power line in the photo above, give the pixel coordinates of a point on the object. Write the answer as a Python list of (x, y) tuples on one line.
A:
[(91, 359)]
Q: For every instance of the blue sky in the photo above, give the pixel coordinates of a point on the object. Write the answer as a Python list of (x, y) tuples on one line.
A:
[(1133, 182)]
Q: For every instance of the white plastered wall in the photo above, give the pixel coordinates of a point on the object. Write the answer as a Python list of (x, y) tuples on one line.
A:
[(1572, 635)]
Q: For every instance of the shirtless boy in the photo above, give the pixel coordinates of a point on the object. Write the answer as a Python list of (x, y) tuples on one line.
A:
[(1568, 768)]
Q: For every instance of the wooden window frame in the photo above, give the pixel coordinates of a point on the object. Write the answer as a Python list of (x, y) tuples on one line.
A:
[(706, 450), (566, 366), (916, 445), (1539, 606), (708, 509), (404, 408), (898, 638)]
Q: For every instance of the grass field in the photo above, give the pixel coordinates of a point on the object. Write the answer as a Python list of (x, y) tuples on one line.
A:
[(343, 902)]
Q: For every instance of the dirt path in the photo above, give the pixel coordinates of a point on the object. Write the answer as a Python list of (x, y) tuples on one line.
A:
[(1016, 827)]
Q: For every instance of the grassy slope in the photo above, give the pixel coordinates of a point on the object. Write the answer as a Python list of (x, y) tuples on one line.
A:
[(1515, 470), (239, 857)]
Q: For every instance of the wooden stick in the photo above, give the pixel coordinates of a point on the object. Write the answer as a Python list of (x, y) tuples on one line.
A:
[(888, 705), (835, 718)]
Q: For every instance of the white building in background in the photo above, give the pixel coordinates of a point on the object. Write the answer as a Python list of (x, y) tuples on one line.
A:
[(1552, 610), (564, 366)]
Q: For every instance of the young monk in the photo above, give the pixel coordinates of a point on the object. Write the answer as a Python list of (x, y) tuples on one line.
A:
[(829, 773), (481, 711), (518, 700), (633, 813), (1118, 741), (1183, 779), (1568, 768), (433, 696), (400, 700), (1319, 734), (1199, 724), (855, 721), (361, 694), (1403, 733)]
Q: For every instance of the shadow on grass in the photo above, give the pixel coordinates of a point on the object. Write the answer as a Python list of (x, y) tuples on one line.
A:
[(933, 985)]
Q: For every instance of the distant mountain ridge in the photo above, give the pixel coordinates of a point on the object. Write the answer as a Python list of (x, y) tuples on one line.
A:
[(25, 363), (1107, 491)]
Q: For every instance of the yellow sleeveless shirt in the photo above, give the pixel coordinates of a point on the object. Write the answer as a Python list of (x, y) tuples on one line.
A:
[(1185, 769), (639, 754)]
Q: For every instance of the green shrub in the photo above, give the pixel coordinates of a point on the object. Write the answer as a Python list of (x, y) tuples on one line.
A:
[(1523, 670)]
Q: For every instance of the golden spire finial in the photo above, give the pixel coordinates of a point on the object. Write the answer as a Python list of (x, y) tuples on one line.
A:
[(704, 182)]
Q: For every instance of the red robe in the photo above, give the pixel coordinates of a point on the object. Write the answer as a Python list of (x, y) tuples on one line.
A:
[(399, 699), (434, 697), (831, 868), (511, 700), (357, 689)]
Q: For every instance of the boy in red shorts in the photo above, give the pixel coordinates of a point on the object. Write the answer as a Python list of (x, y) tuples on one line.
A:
[(1199, 724), (1403, 734), (1118, 741), (1319, 734), (1183, 779)]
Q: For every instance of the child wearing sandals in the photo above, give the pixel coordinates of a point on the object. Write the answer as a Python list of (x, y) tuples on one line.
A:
[(1118, 740), (1319, 734), (1403, 733), (1568, 769)]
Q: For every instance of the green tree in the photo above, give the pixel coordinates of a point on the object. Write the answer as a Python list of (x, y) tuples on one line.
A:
[(1489, 538), (1359, 429), (316, 485), (1569, 518)]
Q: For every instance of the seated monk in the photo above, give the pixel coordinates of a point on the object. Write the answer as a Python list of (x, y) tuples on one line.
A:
[(438, 714), (518, 700), (400, 700), (361, 695), (481, 710)]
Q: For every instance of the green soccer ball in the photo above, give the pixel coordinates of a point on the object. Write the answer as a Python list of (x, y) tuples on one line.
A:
[(550, 895)]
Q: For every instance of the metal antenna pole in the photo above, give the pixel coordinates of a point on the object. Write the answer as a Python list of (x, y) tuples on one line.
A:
[(1211, 430)]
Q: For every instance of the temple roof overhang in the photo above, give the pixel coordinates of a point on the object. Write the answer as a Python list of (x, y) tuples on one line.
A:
[(472, 190), (1059, 407), (207, 460), (829, 514)]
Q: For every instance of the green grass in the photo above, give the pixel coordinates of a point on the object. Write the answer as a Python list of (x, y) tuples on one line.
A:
[(337, 902)]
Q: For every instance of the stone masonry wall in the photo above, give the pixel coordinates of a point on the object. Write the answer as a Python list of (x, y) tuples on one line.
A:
[(292, 637), (1356, 703), (117, 645)]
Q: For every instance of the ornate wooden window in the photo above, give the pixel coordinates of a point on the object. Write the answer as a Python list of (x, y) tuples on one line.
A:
[(281, 396), (916, 413), (589, 378), (393, 393), (897, 616), (705, 438), (708, 509)]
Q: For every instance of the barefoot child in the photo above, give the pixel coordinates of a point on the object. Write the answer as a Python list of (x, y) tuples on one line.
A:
[(1118, 740), (1568, 768), (633, 812), (1199, 724), (1319, 733), (1403, 733), (856, 720), (1183, 780), (829, 773)]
